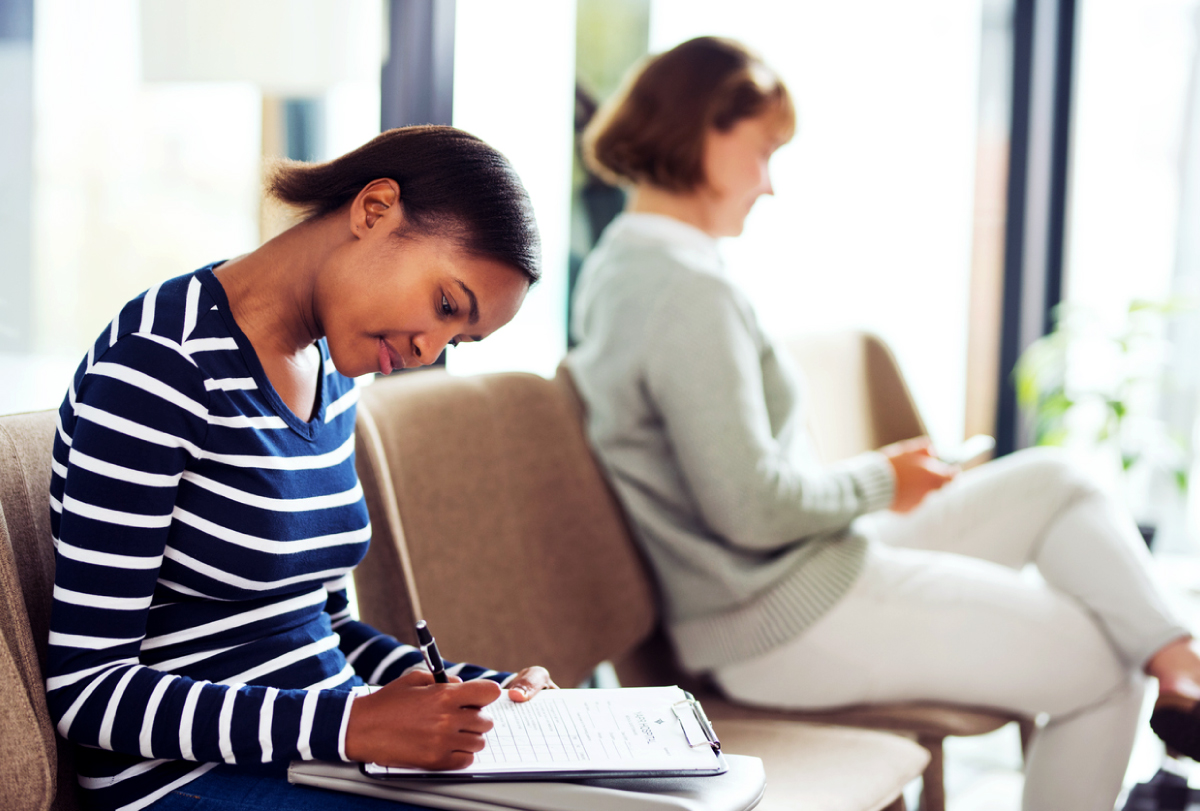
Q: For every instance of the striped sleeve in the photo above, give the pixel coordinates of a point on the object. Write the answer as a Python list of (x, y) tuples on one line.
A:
[(136, 414), (379, 658)]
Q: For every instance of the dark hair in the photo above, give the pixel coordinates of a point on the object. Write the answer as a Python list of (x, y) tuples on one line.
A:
[(451, 184), (652, 130)]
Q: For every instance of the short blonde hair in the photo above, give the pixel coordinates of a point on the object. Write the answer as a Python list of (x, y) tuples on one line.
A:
[(652, 130)]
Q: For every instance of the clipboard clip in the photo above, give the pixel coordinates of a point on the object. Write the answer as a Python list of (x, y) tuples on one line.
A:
[(690, 708)]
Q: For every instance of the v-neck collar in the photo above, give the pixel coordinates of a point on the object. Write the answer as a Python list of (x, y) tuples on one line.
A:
[(309, 429)]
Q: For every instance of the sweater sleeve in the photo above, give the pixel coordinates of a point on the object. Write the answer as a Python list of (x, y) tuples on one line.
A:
[(703, 373), (134, 417), (379, 658)]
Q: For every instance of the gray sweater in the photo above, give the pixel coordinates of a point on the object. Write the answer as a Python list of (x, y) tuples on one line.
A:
[(697, 417)]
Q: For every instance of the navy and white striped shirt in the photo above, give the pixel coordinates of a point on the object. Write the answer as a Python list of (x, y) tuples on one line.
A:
[(203, 535)]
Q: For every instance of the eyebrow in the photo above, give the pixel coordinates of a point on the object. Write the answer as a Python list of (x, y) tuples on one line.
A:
[(474, 317)]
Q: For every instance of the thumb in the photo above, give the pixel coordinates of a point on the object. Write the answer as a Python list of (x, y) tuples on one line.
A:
[(939, 468), (478, 692)]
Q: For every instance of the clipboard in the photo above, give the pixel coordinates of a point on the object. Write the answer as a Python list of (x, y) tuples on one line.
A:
[(587, 734)]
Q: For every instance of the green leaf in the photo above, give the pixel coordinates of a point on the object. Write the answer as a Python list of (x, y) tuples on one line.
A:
[(1053, 435), (1027, 388), (1056, 404)]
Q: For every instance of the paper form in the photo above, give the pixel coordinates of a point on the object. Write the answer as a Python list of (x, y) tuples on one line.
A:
[(587, 730)]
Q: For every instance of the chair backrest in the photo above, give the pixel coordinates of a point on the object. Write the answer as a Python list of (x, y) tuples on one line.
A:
[(503, 529), (855, 395), (34, 761)]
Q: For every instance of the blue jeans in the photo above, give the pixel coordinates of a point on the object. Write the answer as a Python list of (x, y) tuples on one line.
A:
[(228, 788)]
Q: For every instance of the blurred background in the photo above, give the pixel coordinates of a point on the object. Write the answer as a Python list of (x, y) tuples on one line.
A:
[(1007, 191)]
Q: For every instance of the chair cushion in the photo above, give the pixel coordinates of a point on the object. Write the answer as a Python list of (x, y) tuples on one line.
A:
[(830, 768), (938, 720), (920, 718)]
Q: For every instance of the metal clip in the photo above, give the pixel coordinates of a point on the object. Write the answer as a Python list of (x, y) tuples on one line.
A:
[(696, 713)]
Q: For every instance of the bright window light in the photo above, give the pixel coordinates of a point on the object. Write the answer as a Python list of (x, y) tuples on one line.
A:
[(514, 72), (871, 226)]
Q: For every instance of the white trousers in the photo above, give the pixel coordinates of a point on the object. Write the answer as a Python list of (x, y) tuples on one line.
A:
[(942, 612)]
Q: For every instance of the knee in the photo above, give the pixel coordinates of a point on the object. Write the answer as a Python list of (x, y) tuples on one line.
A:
[(1054, 470)]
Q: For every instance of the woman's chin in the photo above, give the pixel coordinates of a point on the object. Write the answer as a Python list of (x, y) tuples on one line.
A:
[(350, 366), (731, 229)]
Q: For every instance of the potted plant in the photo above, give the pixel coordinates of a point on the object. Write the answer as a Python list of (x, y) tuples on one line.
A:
[(1096, 388)]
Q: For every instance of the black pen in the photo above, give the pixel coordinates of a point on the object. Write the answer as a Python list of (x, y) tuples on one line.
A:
[(429, 649)]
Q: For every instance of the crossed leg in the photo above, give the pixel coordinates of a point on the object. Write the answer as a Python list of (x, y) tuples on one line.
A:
[(942, 612)]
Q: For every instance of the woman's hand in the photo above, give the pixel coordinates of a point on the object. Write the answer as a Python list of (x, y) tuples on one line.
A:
[(415, 721), (918, 472), (529, 682)]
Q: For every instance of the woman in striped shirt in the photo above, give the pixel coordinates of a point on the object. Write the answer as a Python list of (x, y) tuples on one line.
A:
[(205, 507)]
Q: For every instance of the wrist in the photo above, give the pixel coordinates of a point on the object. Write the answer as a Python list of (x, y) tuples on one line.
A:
[(359, 729), (357, 694)]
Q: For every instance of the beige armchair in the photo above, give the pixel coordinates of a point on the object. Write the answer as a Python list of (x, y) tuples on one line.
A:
[(36, 770), (492, 520)]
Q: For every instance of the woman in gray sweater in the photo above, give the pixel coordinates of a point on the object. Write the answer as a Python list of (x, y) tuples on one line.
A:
[(886, 577)]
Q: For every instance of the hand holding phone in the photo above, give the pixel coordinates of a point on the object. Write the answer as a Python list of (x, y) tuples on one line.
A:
[(917, 471)]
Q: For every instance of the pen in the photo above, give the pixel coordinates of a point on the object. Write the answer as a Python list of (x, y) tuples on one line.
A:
[(430, 651)]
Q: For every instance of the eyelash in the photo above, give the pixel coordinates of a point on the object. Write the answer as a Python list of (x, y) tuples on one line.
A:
[(448, 310)]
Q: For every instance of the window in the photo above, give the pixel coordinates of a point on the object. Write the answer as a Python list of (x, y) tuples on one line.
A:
[(514, 70), (872, 221), (150, 124)]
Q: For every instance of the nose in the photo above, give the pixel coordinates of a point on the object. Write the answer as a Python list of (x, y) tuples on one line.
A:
[(427, 347), (767, 186)]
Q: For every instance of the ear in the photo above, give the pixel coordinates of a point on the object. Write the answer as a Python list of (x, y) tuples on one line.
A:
[(375, 203)]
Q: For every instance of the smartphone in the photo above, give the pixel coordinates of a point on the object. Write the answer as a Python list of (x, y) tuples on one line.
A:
[(973, 450)]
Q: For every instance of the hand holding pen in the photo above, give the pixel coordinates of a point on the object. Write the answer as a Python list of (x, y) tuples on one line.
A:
[(430, 719)]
